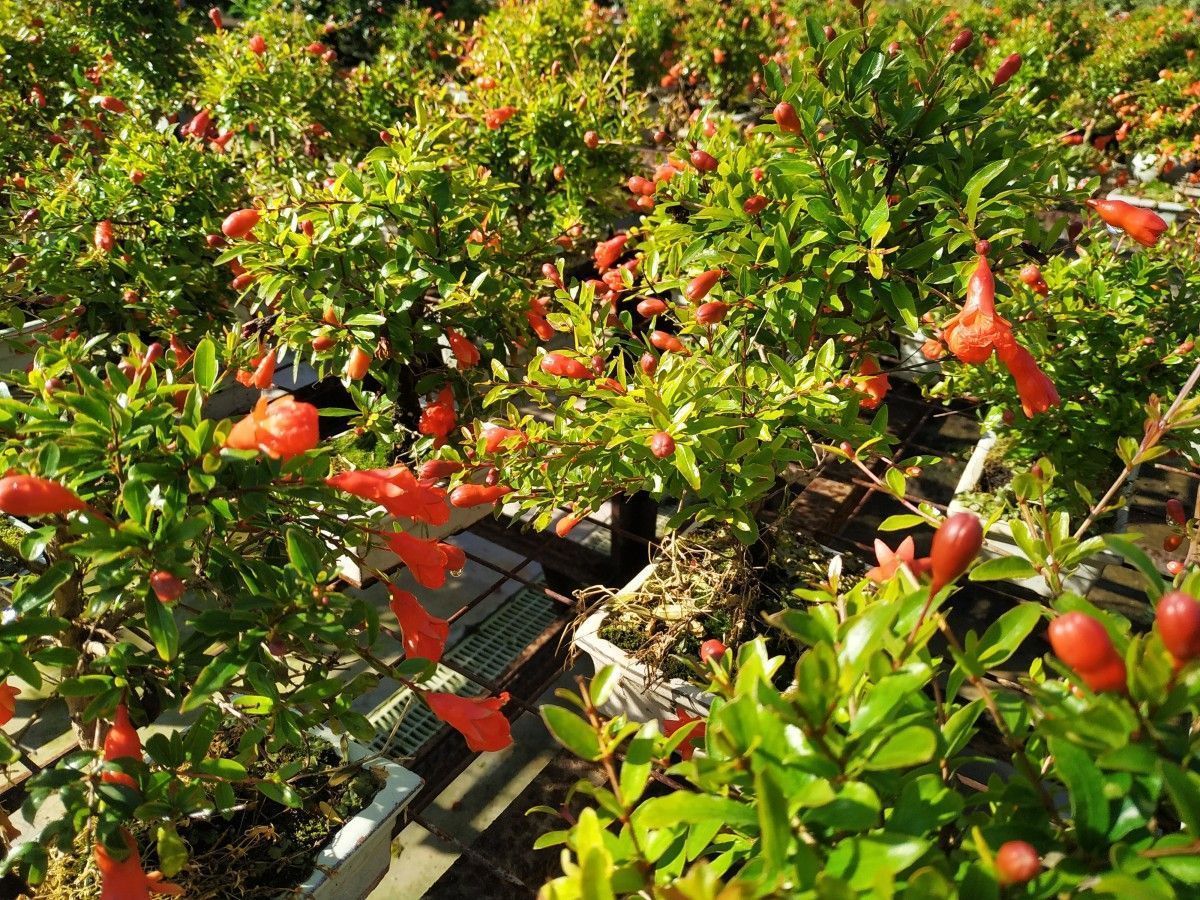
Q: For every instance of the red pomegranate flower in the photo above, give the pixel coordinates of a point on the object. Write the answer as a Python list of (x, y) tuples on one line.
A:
[(8, 702), (398, 491), (977, 329), (282, 429), (875, 387), (891, 560), (694, 740), (438, 418), (1036, 390), (478, 719), (425, 635)]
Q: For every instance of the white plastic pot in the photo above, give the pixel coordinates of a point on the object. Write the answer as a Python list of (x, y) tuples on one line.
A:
[(15, 353), (999, 541), (354, 862)]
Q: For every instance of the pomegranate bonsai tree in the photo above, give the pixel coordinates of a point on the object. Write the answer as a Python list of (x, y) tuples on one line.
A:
[(746, 317), (875, 760), (183, 565)]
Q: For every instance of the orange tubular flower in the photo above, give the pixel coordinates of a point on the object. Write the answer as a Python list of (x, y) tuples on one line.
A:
[(875, 387), (1143, 225), (438, 418), (398, 491), (8, 703), (425, 635), (426, 560), (281, 429), (977, 330), (1036, 390), (478, 719), (466, 353), (30, 495)]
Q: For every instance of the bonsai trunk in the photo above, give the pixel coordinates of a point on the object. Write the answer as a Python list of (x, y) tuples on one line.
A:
[(68, 604)]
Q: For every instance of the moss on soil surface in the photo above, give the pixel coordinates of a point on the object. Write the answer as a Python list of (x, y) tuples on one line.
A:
[(362, 452), (10, 549), (702, 587), (256, 853)]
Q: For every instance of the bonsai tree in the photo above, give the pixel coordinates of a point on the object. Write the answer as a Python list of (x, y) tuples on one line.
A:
[(276, 92), (109, 228), (550, 110), (189, 566), (875, 761), (744, 334), (384, 270)]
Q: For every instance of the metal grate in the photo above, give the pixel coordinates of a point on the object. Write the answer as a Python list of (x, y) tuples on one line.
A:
[(488, 650), (419, 724), (505, 634)]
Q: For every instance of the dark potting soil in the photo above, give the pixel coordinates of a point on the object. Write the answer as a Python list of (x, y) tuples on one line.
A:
[(255, 853)]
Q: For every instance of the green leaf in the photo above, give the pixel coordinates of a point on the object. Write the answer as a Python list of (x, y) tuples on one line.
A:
[(975, 187), (910, 746), (572, 732), (1003, 568), (280, 793), (774, 823), (212, 677), (161, 625), (204, 365), (685, 808), (172, 854), (1085, 785), (900, 522), (1134, 554), (603, 684), (1006, 634), (304, 554), (1184, 788)]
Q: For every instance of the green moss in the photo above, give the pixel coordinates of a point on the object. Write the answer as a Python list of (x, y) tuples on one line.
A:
[(10, 549), (365, 451)]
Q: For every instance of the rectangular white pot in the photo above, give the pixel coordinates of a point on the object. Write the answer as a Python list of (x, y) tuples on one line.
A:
[(15, 354), (360, 853), (1000, 542), (639, 694)]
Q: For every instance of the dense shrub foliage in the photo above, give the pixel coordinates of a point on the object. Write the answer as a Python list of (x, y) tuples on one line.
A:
[(549, 253)]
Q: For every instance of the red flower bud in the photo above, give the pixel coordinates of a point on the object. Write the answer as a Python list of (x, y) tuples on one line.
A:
[(167, 588), (662, 444), (1080, 641), (1143, 225), (1017, 862), (650, 307), (1178, 619), (699, 286), (957, 542), (1007, 70), (961, 41), (240, 223), (565, 367), (786, 118), (712, 312), (704, 162), (711, 649), (29, 495), (1175, 512), (668, 343)]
